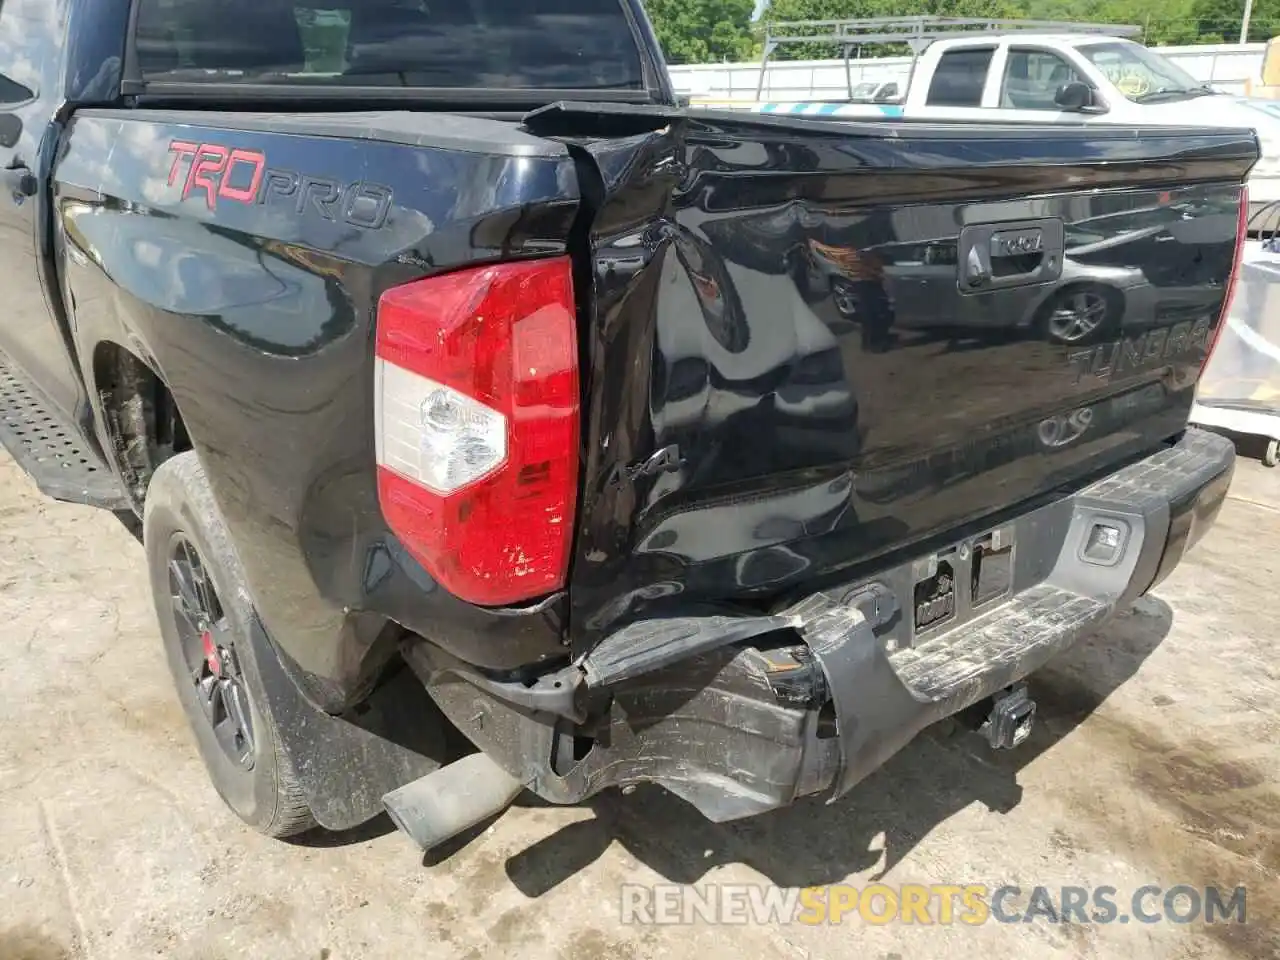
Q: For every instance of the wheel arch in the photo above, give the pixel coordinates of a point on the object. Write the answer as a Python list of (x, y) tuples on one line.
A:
[(344, 763), (141, 425)]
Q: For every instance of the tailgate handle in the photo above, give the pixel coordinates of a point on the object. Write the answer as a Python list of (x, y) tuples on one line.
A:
[(1012, 254)]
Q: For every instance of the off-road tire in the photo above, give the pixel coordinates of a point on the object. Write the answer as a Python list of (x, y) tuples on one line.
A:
[(179, 504)]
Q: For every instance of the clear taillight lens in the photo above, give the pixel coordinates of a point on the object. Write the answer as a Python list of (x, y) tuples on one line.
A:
[(477, 426), (434, 435)]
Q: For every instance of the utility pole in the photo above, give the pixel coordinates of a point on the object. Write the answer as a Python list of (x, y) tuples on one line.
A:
[(1244, 24)]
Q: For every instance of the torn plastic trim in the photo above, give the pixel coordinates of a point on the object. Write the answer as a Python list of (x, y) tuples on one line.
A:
[(647, 646)]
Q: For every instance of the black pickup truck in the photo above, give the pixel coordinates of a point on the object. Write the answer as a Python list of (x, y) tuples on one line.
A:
[(454, 375)]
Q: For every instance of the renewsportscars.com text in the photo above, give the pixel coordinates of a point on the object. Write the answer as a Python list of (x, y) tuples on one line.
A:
[(927, 904)]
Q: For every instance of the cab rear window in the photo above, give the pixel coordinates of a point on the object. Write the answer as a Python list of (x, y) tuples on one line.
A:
[(485, 44), (960, 77)]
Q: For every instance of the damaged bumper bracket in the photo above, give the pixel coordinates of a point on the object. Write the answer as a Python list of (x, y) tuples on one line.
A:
[(734, 714)]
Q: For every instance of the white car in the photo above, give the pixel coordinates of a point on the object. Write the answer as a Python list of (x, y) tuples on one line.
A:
[(1069, 78)]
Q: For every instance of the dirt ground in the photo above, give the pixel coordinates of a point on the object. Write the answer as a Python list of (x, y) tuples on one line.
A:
[(1156, 760)]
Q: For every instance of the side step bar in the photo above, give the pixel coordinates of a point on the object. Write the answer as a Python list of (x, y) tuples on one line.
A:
[(51, 450)]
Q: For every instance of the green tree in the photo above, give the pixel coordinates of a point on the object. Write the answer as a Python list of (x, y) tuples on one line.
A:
[(1164, 22), (702, 31), (1219, 20)]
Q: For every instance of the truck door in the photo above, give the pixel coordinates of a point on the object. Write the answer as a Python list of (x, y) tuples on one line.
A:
[(1027, 87), (31, 35)]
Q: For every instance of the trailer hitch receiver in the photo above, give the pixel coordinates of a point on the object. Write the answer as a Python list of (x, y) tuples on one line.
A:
[(1011, 717)]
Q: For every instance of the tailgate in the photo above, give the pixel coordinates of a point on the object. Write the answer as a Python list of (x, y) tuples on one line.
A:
[(814, 344)]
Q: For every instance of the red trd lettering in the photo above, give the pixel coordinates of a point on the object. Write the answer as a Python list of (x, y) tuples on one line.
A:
[(210, 159), (212, 169), (249, 194), (181, 150)]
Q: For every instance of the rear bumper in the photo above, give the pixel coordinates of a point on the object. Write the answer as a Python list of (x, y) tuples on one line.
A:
[(739, 715)]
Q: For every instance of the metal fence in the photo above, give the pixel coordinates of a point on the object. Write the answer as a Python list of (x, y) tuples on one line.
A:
[(1226, 65)]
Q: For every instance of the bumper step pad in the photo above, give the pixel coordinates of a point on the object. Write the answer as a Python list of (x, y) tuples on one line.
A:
[(49, 449), (887, 684), (1042, 615)]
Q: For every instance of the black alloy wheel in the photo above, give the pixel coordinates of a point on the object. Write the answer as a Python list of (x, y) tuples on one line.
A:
[(209, 650)]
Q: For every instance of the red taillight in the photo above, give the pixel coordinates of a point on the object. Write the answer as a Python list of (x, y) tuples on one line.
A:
[(1242, 230), (476, 403)]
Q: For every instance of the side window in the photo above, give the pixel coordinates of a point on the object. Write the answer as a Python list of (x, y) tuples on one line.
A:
[(1032, 79), (960, 77)]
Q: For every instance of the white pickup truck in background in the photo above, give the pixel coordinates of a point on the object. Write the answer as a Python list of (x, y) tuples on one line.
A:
[(1067, 78)]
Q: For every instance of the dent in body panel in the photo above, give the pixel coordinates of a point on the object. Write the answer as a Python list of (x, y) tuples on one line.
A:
[(260, 322), (785, 314)]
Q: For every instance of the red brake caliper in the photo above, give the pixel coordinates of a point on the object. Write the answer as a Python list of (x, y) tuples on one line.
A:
[(211, 653)]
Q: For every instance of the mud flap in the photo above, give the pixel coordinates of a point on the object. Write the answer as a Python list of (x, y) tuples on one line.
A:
[(347, 763)]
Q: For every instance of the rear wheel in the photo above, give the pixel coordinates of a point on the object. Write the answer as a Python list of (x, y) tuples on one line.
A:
[(205, 615)]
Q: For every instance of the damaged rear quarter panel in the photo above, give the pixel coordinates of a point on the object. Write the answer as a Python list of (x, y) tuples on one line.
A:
[(256, 306)]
